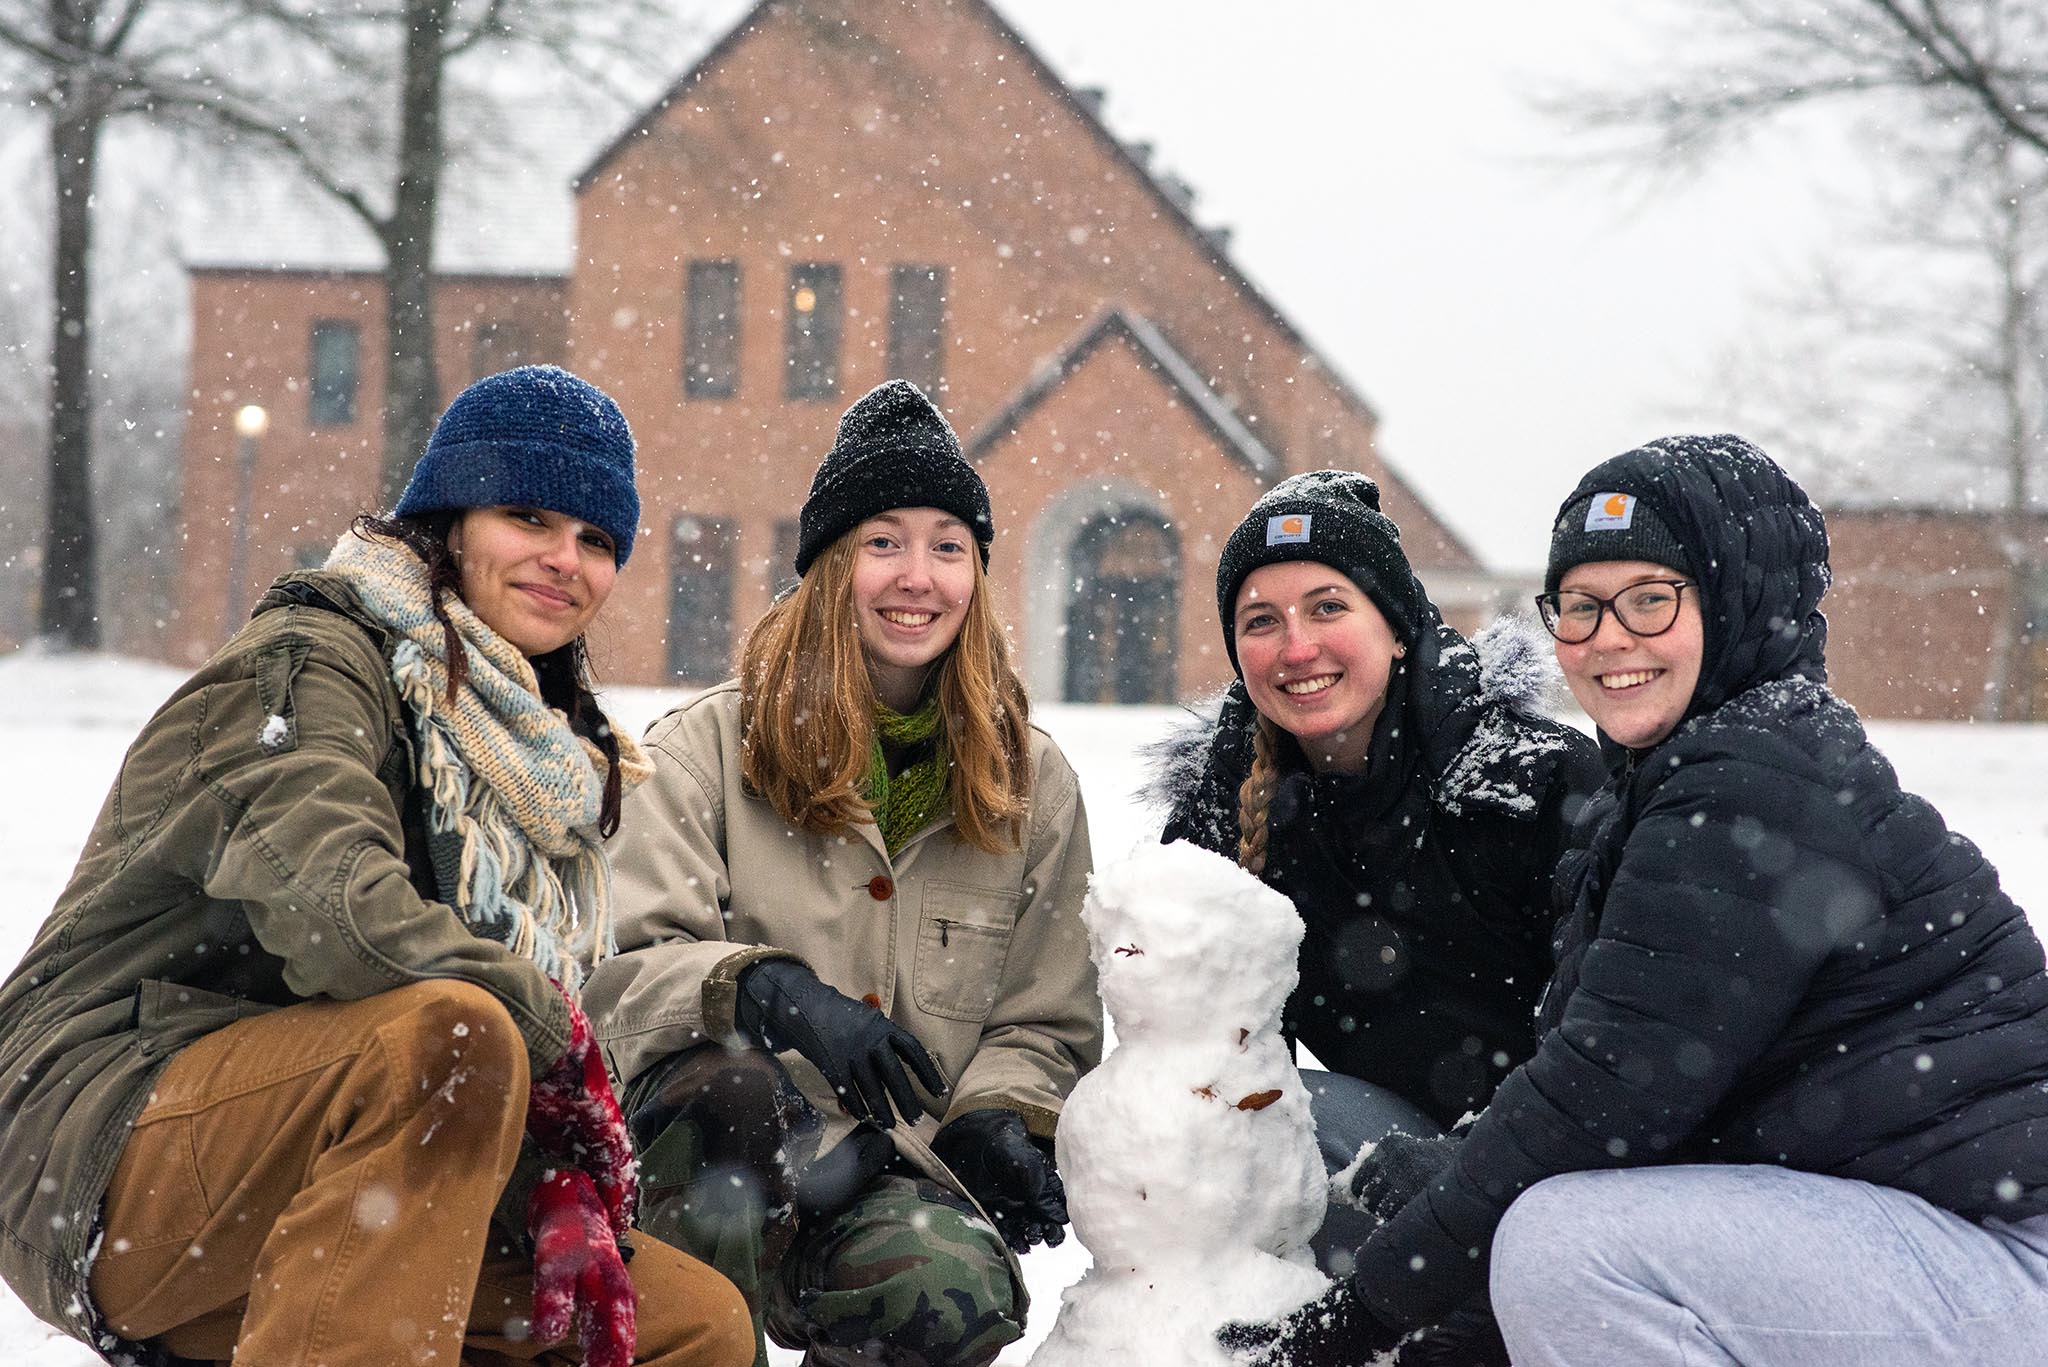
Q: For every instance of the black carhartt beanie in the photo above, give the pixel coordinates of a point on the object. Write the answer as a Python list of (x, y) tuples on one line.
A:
[(1611, 525), (1332, 517), (894, 450)]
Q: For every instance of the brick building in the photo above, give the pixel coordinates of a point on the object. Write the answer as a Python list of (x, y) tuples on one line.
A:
[(838, 192), (1915, 613)]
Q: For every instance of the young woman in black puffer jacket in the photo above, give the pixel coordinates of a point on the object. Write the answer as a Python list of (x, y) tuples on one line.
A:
[(1790, 1104), (1399, 784)]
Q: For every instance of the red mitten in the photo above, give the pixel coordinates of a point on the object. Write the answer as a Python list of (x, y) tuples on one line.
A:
[(578, 1276), (572, 1114)]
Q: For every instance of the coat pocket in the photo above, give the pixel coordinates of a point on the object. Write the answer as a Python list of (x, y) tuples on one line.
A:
[(963, 940), (169, 1016)]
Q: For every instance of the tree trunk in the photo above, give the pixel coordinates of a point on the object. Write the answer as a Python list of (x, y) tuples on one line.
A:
[(2011, 683), (70, 592), (412, 392)]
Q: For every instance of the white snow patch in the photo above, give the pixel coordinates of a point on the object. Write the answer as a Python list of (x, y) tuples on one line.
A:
[(67, 720)]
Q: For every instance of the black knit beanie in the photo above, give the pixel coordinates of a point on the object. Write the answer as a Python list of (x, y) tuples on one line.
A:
[(894, 450), (1332, 517), (1610, 525)]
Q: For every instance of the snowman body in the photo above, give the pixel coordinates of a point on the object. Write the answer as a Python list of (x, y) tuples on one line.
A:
[(1189, 1157)]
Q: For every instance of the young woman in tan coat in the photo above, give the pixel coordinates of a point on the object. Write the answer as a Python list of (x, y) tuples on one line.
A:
[(854, 990), (294, 1073)]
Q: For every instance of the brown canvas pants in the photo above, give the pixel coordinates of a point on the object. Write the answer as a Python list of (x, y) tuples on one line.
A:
[(314, 1188)]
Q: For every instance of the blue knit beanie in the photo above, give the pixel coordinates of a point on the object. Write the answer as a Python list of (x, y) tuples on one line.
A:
[(536, 437)]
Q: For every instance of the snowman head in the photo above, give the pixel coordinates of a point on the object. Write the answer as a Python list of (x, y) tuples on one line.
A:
[(1187, 942)]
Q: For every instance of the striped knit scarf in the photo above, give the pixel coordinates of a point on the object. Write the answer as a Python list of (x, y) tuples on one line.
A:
[(903, 804), (513, 795)]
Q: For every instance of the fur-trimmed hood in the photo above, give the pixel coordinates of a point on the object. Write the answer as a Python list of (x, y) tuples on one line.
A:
[(1473, 723)]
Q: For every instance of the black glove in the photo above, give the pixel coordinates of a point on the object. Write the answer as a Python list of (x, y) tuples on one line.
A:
[(1009, 1172), (831, 1181), (1336, 1329), (1467, 1337), (860, 1051), (1397, 1169)]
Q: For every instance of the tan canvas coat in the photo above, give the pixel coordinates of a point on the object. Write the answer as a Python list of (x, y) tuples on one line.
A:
[(981, 956), (251, 854)]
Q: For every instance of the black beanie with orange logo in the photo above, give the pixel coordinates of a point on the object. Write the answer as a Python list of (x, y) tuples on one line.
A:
[(1331, 517), (1611, 525)]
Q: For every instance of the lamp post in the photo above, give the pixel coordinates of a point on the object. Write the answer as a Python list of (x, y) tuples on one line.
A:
[(251, 422)]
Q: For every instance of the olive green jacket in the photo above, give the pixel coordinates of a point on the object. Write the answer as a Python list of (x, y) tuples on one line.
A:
[(252, 854), (982, 956)]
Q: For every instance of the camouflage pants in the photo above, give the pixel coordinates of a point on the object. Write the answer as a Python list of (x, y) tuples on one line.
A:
[(906, 1274)]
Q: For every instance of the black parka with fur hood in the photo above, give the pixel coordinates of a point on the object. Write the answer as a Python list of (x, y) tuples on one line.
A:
[(1769, 952), (1424, 883)]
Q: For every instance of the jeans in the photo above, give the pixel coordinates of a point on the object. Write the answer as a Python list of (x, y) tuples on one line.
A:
[(1714, 1266), (1348, 1114)]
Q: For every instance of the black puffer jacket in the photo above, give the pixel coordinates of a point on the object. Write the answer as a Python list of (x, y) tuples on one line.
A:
[(1424, 883), (1769, 953)]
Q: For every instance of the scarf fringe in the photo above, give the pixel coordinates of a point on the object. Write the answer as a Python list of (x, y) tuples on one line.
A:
[(530, 871)]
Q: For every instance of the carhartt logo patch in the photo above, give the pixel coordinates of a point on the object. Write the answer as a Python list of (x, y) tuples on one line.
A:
[(1611, 512), (1288, 529)]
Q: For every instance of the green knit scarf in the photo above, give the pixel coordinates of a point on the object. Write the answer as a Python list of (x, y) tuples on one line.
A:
[(902, 805)]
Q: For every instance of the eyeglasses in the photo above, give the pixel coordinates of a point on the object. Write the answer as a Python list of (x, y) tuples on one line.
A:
[(1646, 609)]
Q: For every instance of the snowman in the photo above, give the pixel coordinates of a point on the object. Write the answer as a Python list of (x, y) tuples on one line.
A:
[(1189, 1158)]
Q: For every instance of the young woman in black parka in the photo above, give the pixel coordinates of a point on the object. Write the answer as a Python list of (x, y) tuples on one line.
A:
[(1790, 1105), (1399, 785)]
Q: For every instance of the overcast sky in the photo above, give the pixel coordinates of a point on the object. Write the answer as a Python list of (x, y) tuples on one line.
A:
[(1512, 319)]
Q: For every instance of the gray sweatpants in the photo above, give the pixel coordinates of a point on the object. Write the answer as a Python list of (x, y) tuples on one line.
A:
[(1762, 1267)]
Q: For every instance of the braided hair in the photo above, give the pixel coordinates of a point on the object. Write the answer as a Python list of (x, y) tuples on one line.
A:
[(1255, 796)]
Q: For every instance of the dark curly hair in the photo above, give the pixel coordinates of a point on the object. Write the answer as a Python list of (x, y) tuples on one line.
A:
[(564, 673)]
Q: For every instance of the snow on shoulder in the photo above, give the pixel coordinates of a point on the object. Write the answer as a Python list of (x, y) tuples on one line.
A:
[(1189, 1158)]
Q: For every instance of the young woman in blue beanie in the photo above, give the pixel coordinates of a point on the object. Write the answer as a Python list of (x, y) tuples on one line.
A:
[(854, 989), (1790, 1106), (1400, 785), (295, 1072)]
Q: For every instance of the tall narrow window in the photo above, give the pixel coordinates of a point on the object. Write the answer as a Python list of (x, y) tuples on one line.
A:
[(812, 336), (711, 330), (337, 354), (917, 327), (700, 598), (498, 345)]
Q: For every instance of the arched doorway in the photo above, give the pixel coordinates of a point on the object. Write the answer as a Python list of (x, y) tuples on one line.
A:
[(1123, 621)]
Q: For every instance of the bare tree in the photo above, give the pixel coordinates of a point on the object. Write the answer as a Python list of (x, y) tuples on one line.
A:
[(1940, 324), (353, 97), (86, 64), (1976, 64), (1917, 370), (378, 141)]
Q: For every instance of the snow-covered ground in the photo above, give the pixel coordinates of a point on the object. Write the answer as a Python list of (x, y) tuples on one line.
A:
[(64, 723)]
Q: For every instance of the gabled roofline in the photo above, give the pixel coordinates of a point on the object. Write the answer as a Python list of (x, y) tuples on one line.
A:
[(1229, 430), (640, 126), (1170, 207)]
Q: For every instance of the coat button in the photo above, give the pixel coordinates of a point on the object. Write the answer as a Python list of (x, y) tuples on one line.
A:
[(873, 999), (880, 888)]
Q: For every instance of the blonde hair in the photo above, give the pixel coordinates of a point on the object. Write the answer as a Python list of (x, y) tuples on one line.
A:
[(1255, 796), (807, 711)]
